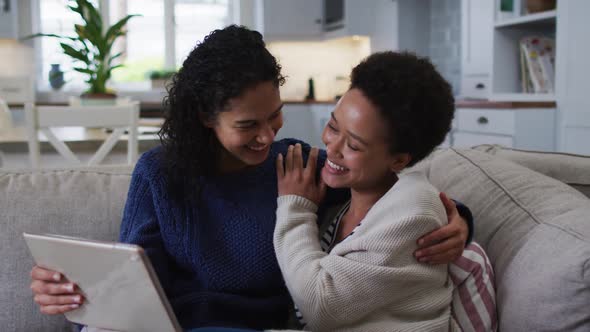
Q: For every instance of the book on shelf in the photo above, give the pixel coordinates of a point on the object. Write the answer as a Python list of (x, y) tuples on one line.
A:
[(537, 62)]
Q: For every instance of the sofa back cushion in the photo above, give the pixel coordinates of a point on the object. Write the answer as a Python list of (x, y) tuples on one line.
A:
[(572, 169), (536, 231), (85, 202)]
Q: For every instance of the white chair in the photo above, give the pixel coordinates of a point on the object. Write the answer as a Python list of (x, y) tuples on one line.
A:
[(119, 117), (5, 117), (5, 123)]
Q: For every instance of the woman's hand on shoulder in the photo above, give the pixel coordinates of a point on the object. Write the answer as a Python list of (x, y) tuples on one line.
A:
[(53, 292), (295, 179), (446, 244)]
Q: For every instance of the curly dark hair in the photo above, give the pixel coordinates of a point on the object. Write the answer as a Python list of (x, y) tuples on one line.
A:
[(223, 66), (416, 101)]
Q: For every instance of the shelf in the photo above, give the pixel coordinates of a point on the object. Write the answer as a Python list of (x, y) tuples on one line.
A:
[(547, 17), (523, 97)]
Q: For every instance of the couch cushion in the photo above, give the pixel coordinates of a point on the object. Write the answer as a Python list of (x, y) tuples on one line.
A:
[(572, 169), (85, 202), (474, 296), (536, 231)]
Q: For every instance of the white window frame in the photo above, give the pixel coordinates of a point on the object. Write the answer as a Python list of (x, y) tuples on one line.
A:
[(49, 95)]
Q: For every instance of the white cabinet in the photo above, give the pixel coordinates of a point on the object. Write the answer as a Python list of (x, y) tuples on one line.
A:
[(523, 128), (289, 20), (572, 75), (297, 123), (358, 18), (305, 20), (305, 122), (476, 36), (506, 60), (321, 114), (476, 50), (8, 19)]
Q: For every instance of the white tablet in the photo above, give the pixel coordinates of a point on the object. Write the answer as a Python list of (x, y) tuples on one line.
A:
[(118, 281)]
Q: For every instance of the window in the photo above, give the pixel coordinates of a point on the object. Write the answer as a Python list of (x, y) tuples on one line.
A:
[(150, 43), (56, 18), (143, 46), (208, 16)]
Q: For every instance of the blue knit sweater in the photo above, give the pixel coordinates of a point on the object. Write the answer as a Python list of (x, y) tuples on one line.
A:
[(214, 257)]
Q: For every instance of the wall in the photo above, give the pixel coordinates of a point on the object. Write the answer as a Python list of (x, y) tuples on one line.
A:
[(414, 33), (445, 39), (17, 58), (328, 62)]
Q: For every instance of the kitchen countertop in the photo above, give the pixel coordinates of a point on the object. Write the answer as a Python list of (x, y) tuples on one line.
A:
[(482, 103), (310, 102)]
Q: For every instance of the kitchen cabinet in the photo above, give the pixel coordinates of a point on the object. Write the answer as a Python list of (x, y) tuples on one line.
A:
[(476, 50), (8, 19), (280, 20), (321, 114), (522, 128), (568, 24), (572, 75), (345, 18), (297, 123), (305, 122), (305, 20), (506, 60)]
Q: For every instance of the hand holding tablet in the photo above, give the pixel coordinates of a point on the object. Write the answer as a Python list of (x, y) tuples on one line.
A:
[(120, 288)]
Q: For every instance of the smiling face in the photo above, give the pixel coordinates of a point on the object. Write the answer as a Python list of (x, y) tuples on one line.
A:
[(358, 147), (248, 128)]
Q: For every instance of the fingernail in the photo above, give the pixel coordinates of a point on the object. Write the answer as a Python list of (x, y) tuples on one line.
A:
[(422, 259), (69, 287), (56, 277), (74, 306), (77, 299), (418, 253), (420, 242)]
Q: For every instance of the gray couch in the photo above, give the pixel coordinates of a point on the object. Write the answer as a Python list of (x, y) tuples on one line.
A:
[(535, 228)]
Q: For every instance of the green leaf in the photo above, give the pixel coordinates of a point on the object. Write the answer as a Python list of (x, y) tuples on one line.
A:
[(93, 27), (48, 35), (89, 13), (114, 57), (74, 53), (110, 70), (115, 67), (117, 29), (81, 31), (84, 70)]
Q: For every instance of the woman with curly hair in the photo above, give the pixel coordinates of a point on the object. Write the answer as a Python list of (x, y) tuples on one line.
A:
[(203, 204), (357, 274)]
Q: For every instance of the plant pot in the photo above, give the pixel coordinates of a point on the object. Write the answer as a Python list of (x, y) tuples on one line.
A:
[(535, 6), (98, 99)]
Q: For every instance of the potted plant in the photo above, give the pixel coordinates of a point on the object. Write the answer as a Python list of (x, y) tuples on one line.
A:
[(160, 77), (91, 48)]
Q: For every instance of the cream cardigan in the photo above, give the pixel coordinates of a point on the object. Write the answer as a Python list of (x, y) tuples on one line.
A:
[(370, 281)]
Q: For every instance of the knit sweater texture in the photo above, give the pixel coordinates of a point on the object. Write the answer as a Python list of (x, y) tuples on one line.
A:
[(371, 280), (214, 257)]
